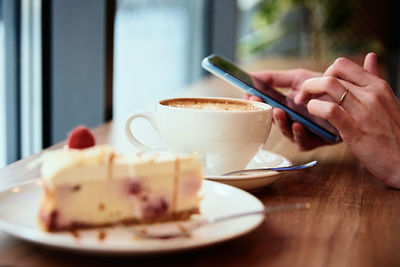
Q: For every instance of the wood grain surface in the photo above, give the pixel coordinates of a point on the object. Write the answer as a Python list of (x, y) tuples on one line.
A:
[(354, 220)]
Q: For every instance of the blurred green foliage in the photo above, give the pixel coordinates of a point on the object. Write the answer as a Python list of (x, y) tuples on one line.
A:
[(308, 28)]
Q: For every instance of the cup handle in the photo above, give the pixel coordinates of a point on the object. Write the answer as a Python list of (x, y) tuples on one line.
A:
[(131, 138)]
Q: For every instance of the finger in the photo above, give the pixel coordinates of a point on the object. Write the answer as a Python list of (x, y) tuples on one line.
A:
[(371, 63), (281, 119), (248, 96), (304, 139), (255, 98), (292, 94), (330, 86), (285, 78), (347, 70), (335, 115), (357, 92), (316, 87), (300, 136)]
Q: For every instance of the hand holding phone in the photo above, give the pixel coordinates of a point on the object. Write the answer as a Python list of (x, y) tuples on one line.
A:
[(293, 80), (257, 86)]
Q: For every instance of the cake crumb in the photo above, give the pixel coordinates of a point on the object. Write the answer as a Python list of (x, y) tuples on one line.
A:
[(75, 234), (183, 230), (76, 188), (102, 235)]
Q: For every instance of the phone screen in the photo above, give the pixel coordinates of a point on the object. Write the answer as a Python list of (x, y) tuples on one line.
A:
[(267, 90)]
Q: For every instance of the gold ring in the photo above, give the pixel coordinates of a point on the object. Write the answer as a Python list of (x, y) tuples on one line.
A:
[(343, 97)]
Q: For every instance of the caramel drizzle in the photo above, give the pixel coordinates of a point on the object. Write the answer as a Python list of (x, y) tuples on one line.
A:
[(109, 165), (175, 189)]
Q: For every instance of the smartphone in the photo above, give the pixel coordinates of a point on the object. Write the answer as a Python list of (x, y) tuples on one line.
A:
[(229, 72)]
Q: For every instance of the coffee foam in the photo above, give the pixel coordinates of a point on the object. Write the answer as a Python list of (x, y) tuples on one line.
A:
[(211, 104)]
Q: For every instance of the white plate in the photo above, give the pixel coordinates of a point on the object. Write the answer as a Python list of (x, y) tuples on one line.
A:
[(256, 180), (19, 205)]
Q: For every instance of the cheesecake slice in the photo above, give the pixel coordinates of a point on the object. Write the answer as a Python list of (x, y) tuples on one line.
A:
[(95, 187)]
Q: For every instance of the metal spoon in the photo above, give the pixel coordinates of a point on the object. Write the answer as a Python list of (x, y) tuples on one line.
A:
[(279, 169), (174, 230)]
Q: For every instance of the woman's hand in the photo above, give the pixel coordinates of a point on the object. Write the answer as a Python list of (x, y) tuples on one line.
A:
[(292, 79), (368, 118)]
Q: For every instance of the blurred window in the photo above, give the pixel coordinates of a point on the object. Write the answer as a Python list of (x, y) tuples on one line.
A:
[(158, 46), (20, 79), (2, 92)]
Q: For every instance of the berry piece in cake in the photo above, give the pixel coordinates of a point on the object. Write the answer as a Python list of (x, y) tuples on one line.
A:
[(135, 187), (80, 137), (157, 208)]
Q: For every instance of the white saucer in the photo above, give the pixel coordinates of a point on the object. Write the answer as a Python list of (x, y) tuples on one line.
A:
[(19, 206), (256, 180)]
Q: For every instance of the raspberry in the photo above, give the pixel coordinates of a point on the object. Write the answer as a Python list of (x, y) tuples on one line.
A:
[(80, 137)]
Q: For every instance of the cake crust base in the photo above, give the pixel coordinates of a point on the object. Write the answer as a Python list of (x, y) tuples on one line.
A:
[(48, 222)]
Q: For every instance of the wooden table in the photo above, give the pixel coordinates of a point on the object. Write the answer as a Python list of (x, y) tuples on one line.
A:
[(354, 219)]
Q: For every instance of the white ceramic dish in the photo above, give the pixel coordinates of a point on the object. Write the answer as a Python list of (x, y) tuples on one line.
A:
[(257, 180), (19, 205)]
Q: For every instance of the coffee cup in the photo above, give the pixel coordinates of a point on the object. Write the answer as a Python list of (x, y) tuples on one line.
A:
[(225, 132)]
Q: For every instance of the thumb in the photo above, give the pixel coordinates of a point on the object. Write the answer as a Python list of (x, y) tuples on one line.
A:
[(371, 63)]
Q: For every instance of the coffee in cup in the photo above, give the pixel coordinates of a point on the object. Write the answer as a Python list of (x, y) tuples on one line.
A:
[(210, 104)]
